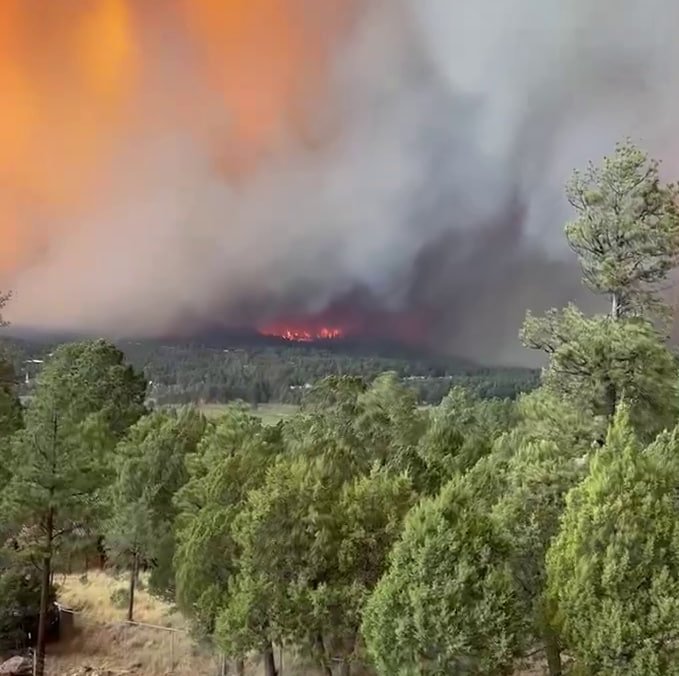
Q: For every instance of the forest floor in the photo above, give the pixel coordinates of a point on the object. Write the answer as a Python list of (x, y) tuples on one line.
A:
[(158, 644), (101, 642)]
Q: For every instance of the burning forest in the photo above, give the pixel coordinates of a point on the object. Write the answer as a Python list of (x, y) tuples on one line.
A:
[(234, 162), (302, 334)]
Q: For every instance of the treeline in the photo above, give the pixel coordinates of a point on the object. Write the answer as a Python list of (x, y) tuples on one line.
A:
[(369, 534), (186, 374), (191, 373)]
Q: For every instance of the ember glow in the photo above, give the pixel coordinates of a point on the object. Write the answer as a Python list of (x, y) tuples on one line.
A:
[(355, 316), (303, 334)]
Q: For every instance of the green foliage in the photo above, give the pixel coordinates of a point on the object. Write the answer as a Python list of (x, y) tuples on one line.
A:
[(19, 602), (543, 415), (11, 417), (314, 537), (459, 432), (82, 379), (350, 427), (614, 567), (449, 602), (538, 478), (596, 361), (231, 459), (626, 233), (314, 545), (120, 598), (626, 236), (63, 458), (151, 468)]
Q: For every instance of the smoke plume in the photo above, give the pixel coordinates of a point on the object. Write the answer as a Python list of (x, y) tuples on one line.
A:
[(213, 162)]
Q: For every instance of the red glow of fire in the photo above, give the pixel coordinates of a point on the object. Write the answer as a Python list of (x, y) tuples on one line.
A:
[(303, 335)]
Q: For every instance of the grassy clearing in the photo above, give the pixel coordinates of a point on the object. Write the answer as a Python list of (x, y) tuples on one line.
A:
[(269, 413), (91, 595), (104, 643), (101, 640)]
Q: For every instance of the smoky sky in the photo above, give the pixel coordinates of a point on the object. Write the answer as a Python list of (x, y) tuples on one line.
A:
[(427, 178)]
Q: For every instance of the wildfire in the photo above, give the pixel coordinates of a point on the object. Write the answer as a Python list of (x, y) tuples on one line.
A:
[(304, 335)]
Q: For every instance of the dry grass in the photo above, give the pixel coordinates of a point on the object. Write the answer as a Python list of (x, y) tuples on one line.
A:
[(91, 595), (103, 641)]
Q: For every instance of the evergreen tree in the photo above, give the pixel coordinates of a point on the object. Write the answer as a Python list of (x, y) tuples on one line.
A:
[(613, 570), (626, 230), (313, 547), (594, 361), (231, 460), (150, 471), (626, 237), (449, 602), (62, 459)]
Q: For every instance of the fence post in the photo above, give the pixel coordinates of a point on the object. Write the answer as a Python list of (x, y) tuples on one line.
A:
[(172, 652)]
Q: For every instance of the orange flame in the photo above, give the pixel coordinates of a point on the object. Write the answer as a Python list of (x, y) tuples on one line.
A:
[(301, 334)]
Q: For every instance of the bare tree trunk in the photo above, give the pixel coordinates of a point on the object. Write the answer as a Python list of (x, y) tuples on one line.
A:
[(133, 584), (553, 653), (240, 668), (322, 656), (44, 595), (611, 395), (269, 662), (345, 667)]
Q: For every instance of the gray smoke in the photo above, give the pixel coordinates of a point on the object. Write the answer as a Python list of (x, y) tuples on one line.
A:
[(459, 123)]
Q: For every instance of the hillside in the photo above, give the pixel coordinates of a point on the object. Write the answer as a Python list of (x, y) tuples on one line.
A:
[(266, 370)]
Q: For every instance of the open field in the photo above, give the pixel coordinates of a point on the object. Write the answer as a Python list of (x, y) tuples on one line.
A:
[(269, 413)]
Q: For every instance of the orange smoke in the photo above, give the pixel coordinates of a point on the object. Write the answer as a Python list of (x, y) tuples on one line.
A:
[(64, 75), (268, 59), (78, 79)]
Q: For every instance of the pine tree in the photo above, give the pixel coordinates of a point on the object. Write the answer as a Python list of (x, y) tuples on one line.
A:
[(626, 232), (62, 459), (613, 570)]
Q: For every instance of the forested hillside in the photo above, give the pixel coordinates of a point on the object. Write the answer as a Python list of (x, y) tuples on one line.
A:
[(181, 373), (365, 533)]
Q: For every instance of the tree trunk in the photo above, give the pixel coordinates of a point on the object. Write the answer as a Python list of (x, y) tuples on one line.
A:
[(269, 662), (615, 306), (611, 395), (345, 667), (553, 653), (133, 584), (44, 595), (322, 656), (240, 668)]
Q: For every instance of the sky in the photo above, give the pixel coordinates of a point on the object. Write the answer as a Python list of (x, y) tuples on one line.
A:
[(393, 165)]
